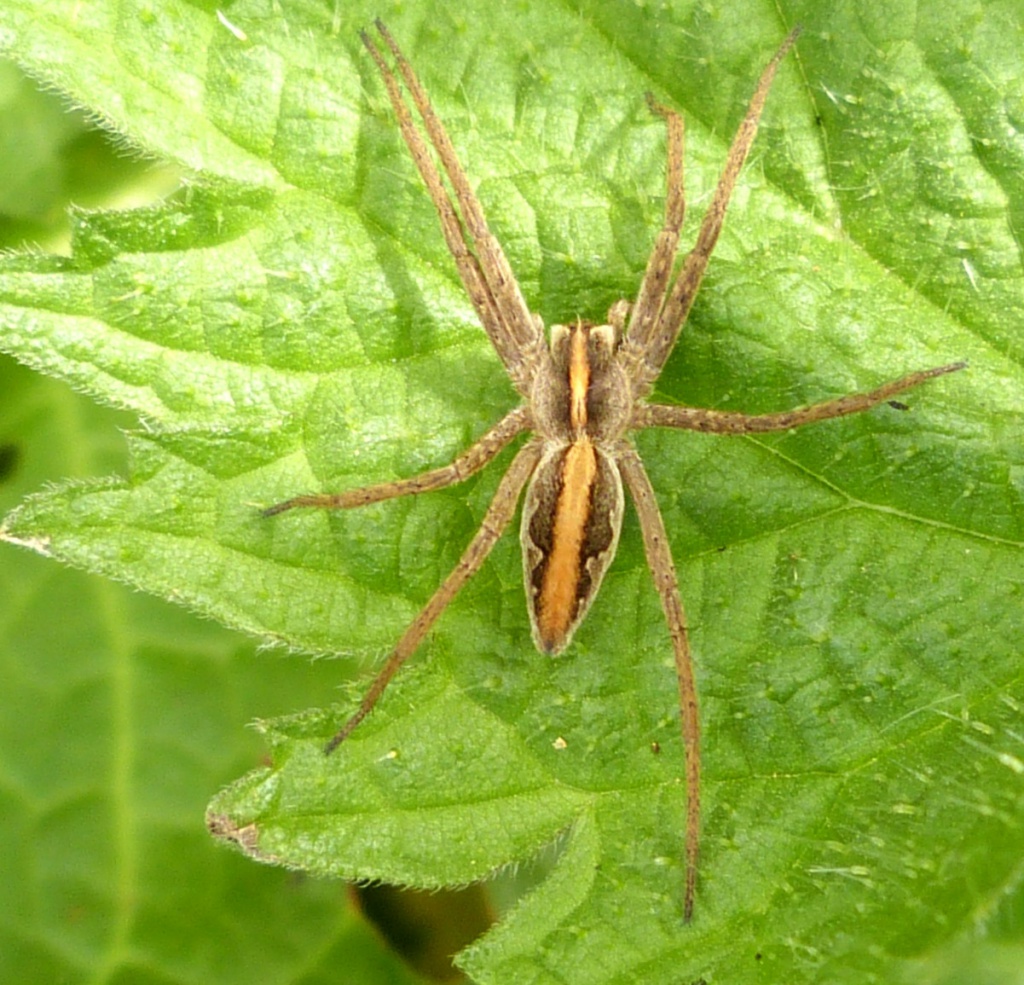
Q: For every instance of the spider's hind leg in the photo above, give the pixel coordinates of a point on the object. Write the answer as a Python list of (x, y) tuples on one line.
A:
[(663, 571), (499, 514)]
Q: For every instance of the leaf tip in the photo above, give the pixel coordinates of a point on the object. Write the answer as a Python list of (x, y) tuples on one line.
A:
[(246, 836)]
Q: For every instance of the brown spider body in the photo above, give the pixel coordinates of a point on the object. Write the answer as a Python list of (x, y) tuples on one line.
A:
[(583, 394), (572, 514)]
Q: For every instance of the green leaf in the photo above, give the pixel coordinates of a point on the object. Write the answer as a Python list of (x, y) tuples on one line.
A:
[(292, 322), (120, 715)]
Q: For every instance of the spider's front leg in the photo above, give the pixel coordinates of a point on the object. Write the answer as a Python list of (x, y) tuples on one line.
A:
[(516, 334), (658, 322), (651, 296)]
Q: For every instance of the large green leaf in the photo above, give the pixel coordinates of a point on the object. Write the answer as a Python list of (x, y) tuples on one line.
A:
[(292, 322)]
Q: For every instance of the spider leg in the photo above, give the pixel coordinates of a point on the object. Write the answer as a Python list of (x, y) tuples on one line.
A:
[(663, 570), (651, 295), (469, 462), (497, 518), (733, 422), (487, 275), (654, 345)]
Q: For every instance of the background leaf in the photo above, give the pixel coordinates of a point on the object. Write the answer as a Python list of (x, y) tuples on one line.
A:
[(292, 322), (121, 714)]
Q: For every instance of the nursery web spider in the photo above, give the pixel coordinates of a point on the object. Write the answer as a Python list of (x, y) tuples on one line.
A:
[(582, 395)]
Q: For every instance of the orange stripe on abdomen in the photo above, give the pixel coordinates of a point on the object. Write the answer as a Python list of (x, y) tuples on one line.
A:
[(559, 591)]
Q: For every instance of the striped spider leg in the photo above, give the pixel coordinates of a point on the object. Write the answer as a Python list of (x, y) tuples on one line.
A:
[(582, 394)]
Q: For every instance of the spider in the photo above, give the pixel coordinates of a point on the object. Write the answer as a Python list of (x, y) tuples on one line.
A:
[(582, 394)]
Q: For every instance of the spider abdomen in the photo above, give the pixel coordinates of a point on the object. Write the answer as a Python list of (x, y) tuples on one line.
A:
[(570, 530)]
